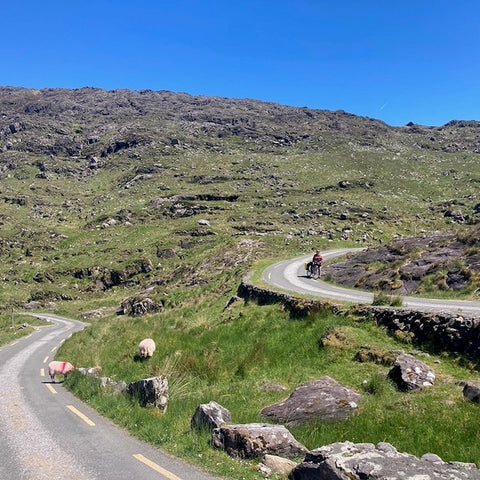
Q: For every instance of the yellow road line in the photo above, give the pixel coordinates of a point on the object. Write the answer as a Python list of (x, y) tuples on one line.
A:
[(156, 467), (45, 359), (81, 415), (50, 388), (42, 372), (53, 349)]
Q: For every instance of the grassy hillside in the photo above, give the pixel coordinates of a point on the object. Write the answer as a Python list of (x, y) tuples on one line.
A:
[(106, 195)]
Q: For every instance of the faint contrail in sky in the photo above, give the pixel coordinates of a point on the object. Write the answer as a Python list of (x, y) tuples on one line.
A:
[(383, 106)]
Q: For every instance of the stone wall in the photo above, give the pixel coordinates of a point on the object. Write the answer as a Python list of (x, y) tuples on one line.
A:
[(296, 306), (446, 331)]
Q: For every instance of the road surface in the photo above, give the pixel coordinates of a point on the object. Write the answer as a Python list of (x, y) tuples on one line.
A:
[(47, 433), (290, 275)]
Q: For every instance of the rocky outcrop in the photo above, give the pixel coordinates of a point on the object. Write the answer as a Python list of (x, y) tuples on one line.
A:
[(106, 278), (365, 461), (253, 440), (323, 399), (151, 392), (402, 266), (409, 373), (471, 391), (137, 305), (209, 416)]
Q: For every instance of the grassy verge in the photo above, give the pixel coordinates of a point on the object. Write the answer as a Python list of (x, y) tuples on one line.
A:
[(14, 326), (226, 356)]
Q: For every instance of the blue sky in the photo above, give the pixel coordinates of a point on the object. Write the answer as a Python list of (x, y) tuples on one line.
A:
[(409, 61)]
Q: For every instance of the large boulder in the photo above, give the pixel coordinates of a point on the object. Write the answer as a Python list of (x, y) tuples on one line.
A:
[(210, 415), (365, 461), (253, 440), (409, 373), (151, 392), (324, 399)]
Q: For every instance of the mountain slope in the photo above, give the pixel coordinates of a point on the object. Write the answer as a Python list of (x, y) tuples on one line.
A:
[(97, 185)]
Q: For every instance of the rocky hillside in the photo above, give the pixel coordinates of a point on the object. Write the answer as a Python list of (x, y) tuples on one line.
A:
[(411, 266), (101, 189), (87, 123)]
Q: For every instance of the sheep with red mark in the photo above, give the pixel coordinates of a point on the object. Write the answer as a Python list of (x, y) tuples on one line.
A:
[(59, 368), (146, 348)]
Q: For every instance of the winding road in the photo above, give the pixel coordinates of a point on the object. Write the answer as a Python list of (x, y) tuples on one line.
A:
[(47, 433), (290, 275)]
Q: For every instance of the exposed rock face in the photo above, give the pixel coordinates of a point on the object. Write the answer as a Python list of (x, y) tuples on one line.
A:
[(411, 374), (138, 305), (254, 440), (323, 399), (151, 392), (471, 391), (210, 415), (365, 461), (418, 257)]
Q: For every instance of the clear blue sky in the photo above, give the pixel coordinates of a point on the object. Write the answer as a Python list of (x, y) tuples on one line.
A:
[(398, 61)]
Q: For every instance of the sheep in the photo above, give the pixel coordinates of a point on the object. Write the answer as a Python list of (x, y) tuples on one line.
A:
[(59, 368), (146, 348)]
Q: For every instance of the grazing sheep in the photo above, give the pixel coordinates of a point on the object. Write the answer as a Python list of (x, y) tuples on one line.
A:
[(59, 368), (146, 348)]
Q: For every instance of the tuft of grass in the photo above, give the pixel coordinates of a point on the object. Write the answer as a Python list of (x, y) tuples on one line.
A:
[(383, 299)]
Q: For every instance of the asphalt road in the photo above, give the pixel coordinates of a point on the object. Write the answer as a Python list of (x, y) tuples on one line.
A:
[(290, 275), (47, 433)]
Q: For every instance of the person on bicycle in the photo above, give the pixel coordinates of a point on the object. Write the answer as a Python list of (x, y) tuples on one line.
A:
[(317, 258), (315, 266)]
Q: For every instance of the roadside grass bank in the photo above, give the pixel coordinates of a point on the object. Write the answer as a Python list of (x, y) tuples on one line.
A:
[(227, 356), (14, 326)]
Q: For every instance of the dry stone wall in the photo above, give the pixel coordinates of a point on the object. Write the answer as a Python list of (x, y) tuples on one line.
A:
[(446, 331)]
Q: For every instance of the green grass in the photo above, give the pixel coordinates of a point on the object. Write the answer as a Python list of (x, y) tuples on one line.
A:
[(380, 298), (289, 203), (227, 356), (14, 326)]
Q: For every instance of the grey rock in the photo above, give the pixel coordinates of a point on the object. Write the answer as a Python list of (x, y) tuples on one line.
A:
[(322, 399), (151, 392), (408, 373), (138, 305), (106, 383), (254, 440), (365, 461), (89, 371), (471, 391), (210, 415), (272, 387), (278, 465)]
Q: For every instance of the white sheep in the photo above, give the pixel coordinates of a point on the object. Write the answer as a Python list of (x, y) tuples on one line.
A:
[(146, 348), (59, 368)]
